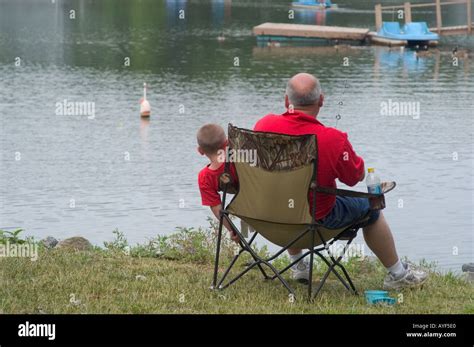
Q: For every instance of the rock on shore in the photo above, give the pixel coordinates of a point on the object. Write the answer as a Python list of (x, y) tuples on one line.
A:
[(49, 242), (76, 243)]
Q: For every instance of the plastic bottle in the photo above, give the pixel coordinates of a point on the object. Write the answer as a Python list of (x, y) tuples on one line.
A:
[(373, 182)]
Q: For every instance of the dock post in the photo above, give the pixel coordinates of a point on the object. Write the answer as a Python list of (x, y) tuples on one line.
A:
[(407, 9), (439, 23), (378, 17), (469, 16)]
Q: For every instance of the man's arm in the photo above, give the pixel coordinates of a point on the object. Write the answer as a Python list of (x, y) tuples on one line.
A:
[(350, 167), (216, 210), (363, 174)]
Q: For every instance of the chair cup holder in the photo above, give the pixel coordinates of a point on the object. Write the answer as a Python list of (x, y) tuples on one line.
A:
[(377, 203)]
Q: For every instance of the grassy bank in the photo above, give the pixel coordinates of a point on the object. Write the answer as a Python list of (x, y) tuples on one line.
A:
[(173, 275)]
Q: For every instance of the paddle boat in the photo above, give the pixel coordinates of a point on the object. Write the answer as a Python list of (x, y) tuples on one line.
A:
[(313, 4), (415, 33)]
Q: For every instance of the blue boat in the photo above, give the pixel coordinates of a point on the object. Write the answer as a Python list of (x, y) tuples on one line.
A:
[(313, 4), (413, 33)]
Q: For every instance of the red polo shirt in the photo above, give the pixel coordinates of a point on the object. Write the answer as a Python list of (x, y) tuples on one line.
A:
[(208, 181), (336, 157)]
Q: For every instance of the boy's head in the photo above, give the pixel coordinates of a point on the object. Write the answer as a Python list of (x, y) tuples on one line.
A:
[(211, 138)]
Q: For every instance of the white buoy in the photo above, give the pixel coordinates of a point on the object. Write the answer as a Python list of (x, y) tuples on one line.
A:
[(221, 37), (144, 104)]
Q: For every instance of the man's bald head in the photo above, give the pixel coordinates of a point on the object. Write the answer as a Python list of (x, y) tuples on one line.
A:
[(303, 90)]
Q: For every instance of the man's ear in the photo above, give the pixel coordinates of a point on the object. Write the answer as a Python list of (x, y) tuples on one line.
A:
[(321, 100), (287, 101), (200, 151)]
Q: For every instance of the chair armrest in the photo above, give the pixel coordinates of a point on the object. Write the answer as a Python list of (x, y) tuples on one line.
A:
[(386, 187)]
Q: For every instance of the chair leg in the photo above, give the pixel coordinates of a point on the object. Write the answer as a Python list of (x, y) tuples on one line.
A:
[(354, 290), (311, 262), (246, 246), (259, 261), (228, 269), (286, 268), (282, 280), (321, 284), (265, 276), (331, 268), (247, 269), (337, 262), (256, 263), (218, 249)]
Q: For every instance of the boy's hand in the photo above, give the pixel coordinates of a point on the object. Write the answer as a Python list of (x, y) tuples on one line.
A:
[(217, 211), (234, 236)]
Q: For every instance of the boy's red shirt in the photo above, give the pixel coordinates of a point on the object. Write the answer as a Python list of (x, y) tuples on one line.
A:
[(208, 181), (336, 157)]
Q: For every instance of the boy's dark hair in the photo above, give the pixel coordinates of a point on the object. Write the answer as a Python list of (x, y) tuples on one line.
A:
[(211, 138)]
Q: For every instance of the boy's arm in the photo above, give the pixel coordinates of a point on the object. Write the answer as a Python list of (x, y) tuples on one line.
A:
[(210, 197), (216, 210)]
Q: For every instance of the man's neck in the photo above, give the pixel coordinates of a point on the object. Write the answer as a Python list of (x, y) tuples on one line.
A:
[(308, 111)]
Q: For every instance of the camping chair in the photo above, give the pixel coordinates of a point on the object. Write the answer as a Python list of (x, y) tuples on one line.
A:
[(272, 198)]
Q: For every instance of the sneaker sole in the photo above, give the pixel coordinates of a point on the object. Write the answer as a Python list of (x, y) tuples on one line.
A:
[(414, 286)]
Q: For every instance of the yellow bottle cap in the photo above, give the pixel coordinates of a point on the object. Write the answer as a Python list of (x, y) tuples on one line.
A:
[(371, 170)]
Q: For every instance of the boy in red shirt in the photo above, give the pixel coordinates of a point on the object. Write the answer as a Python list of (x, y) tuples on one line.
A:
[(212, 143)]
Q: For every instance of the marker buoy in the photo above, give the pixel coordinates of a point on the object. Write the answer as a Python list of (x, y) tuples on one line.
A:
[(221, 37), (144, 104)]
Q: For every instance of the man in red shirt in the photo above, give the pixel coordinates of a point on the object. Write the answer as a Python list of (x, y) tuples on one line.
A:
[(337, 160)]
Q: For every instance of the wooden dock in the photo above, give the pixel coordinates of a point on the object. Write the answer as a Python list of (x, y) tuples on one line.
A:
[(286, 30), (454, 30), (303, 32)]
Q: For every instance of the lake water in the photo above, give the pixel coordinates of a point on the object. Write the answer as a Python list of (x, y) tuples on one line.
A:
[(66, 175)]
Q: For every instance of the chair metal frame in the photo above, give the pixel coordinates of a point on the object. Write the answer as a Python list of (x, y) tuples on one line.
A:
[(331, 261)]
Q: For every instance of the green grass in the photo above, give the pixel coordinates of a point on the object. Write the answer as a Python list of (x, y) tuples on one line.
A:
[(174, 276)]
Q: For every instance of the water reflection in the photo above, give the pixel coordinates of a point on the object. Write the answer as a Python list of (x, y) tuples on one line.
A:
[(404, 59), (175, 13), (221, 10), (284, 52), (311, 16), (144, 129), (412, 62), (409, 62)]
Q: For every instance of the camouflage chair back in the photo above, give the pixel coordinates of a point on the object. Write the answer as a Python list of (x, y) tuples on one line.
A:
[(275, 174)]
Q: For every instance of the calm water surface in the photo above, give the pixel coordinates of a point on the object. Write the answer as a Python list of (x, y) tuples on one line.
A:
[(192, 81)]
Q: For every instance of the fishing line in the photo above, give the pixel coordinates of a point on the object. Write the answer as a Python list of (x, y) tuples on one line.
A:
[(341, 103)]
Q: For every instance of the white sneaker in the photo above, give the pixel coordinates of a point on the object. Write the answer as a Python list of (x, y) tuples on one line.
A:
[(414, 277), (300, 272)]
